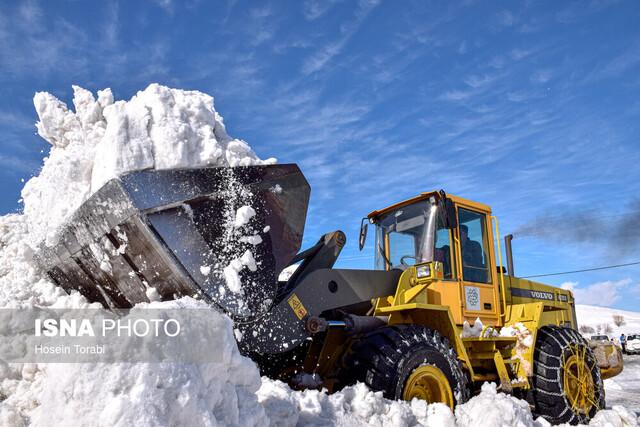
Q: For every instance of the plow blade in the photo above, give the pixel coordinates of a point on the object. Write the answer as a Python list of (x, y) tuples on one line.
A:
[(171, 232)]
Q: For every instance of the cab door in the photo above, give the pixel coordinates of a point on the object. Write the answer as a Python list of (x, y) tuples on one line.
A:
[(476, 266)]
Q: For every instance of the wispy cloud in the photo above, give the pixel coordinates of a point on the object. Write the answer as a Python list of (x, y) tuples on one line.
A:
[(325, 54), (541, 76), (166, 5), (111, 25), (314, 9), (456, 95), (18, 165), (605, 294), (614, 67), (262, 25), (519, 54), (30, 14), (506, 18)]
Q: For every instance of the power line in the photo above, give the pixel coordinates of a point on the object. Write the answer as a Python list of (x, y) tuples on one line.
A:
[(581, 271)]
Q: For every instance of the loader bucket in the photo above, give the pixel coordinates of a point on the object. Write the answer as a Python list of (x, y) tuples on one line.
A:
[(173, 230)]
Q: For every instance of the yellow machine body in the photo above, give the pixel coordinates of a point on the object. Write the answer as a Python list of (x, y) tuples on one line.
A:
[(444, 306)]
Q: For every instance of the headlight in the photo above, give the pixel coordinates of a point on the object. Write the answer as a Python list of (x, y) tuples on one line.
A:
[(423, 271)]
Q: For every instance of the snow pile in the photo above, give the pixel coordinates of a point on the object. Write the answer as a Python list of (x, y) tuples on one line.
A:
[(476, 330), (353, 406), (22, 285), (123, 394), (494, 409), (524, 344), (617, 416), (158, 128)]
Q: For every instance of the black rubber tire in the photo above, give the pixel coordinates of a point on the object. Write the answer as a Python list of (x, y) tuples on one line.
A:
[(553, 344), (385, 358)]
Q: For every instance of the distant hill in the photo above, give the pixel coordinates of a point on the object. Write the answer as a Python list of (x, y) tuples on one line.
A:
[(595, 316)]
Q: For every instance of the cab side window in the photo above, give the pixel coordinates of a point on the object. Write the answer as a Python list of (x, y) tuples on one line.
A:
[(473, 246)]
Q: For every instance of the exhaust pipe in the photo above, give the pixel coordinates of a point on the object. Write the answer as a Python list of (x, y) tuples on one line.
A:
[(507, 247)]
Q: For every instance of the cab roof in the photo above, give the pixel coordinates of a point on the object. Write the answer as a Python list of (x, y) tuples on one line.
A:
[(426, 195)]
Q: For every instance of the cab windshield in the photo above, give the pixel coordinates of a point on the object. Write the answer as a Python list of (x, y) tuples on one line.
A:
[(405, 236)]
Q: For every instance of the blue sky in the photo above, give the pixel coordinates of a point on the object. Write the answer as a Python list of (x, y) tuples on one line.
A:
[(530, 107)]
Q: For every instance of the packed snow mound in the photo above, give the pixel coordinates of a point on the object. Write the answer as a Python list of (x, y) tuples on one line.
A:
[(159, 128), (22, 284), (353, 406), (116, 394), (474, 331), (494, 409), (124, 394)]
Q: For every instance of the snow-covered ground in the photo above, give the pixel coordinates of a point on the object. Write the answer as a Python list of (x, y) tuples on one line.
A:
[(163, 128), (595, 316), (624, 389)]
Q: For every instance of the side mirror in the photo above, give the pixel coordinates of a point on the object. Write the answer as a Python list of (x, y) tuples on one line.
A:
[(449, 211), (364, 226)]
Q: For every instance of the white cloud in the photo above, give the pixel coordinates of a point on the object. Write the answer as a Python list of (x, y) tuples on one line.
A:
[(476, 81), (497, 62), (318, 60), (17, 164), (541, 76), (462, 48), (166, 5), (506, 18), (605, 293), (111, 25), (456, 95), (30, 14), (314, 9), (519, 54), (263, 25)]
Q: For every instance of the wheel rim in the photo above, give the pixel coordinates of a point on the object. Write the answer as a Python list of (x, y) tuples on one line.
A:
[(428, 383), (578, 381)]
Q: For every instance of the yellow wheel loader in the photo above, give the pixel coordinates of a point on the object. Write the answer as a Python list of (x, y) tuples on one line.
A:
[(402, 328)]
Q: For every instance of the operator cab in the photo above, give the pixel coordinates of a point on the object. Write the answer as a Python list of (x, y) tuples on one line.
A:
[(454, 232)]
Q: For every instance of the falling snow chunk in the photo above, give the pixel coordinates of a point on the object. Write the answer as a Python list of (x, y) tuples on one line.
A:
[(277, 189), (248, 261), (243, 216), (153, 294), (232, 278), (252, 240)]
